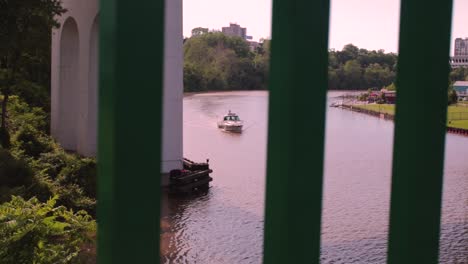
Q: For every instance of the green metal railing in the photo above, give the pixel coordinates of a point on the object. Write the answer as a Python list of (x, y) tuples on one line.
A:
[(131, 59), (130, 114), (418, 158)]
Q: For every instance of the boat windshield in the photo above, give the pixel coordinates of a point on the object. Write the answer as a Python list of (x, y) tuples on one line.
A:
[(231, 118)]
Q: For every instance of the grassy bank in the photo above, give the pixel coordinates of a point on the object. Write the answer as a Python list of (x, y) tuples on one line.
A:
[(453, 113)]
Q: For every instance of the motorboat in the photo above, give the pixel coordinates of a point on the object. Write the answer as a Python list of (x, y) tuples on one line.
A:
[(231, 123)]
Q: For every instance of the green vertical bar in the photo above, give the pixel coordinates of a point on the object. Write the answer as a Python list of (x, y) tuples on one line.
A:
[(130, 113), (420, 120), (298, 86)]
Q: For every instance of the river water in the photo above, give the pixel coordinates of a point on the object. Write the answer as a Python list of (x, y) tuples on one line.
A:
[(226, 225)]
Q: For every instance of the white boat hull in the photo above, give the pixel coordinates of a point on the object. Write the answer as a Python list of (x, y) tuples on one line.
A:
[(230, 128), (231, 123)]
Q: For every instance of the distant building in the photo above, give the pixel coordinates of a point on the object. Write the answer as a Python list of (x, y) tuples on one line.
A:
[(461, 47), (460, 58), (234, 30), (389, 96), (461, 87), (382, 96)]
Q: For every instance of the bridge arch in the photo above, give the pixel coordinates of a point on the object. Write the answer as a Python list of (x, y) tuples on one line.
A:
[(68, 84)]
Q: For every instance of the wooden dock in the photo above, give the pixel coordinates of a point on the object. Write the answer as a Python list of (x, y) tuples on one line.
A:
[(194, 177)]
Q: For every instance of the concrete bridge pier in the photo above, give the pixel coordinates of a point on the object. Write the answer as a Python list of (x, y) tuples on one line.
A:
[(74, 81)]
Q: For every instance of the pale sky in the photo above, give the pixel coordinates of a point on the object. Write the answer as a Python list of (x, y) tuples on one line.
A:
[(369, 24)]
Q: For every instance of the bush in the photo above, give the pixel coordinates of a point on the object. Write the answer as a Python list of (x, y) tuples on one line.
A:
[(452, 96), (363, 97), (51, 163), (73, 196), (13, 172), (34, 232), (82, 172), (31, 142), (68, 176), (20, 114)]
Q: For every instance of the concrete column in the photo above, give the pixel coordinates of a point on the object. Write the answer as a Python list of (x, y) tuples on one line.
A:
[(172, 145), (70, 77), (74, 100)]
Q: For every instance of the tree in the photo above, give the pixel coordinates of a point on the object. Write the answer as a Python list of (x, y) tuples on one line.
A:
[(333, 80), (214, 61), (357, 68), (352, 72), (25, 35), (391, 87), (199, 31), (349, 52), (377, 76), (452, 96), (459, 74)]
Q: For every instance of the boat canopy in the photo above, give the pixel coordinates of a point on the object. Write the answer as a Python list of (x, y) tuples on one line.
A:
[(231, 117)]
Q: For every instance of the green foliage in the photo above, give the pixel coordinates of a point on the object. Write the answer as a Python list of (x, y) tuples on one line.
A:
[(199, 31), (31, 142), (25, 44), (352, 72), (13, 172), (459, 74), (70, 177), (363, 97), (452, 95), (81, 172), (377, 76), (32, 164), (214, 62), (34, 232), (391, 87), (354, 68), (34, 94), (22, 114), (40, 167), (52, 163)]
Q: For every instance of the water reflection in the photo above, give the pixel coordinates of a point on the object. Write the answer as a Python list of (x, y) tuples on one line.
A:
[(226, 225)]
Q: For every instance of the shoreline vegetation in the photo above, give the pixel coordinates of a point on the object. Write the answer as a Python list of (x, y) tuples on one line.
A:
[(216, 62), (388, 112)]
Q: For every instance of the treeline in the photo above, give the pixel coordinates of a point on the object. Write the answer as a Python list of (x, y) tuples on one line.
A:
[(216, 62), (353, 68), (459, 74)]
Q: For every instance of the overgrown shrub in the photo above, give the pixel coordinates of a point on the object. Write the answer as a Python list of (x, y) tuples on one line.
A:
[(363, 97), (31, 142), (71, 177), (13, 172), (53, 172), (51, 163), (452, 96), (20, 114), (82, 172), (73, 196), (34, 232)]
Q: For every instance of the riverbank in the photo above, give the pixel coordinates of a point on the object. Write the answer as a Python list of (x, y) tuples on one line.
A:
[(457, 117)]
